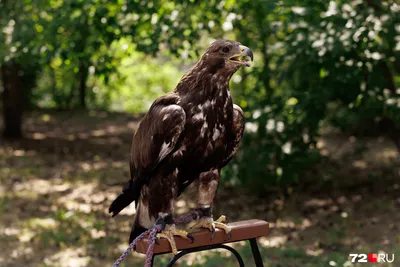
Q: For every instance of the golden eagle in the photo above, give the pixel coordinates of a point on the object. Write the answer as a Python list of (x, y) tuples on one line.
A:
[(188, 134)]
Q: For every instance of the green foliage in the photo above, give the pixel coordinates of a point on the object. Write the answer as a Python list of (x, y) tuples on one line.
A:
[(138, 81), (279, 144), (69, 40), (348, 58), (323, 62)]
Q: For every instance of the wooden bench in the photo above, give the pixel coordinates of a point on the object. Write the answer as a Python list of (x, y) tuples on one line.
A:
[(243, 230)]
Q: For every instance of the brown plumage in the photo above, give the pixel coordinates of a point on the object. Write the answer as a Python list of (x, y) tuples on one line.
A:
[(189, 134)]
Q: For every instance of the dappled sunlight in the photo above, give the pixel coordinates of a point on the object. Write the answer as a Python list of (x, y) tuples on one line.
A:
[(72, 177), (129, 211), (26, 235), (376, 151), (20, 153), (89, 166), (38, 186), (312, 203), (306, 223), (83, 197), (68, 258), (11, 231), (9, 151), (98, 133), (282, 224), (273, 241), (386, 155), (96, 234), (106, 141), (71, 129), (21, 252), (185, 203), (38, 136), (359, 164), (45, 223), (314, 252)]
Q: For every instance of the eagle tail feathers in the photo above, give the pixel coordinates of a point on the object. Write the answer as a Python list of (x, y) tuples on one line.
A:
[(127, 196)]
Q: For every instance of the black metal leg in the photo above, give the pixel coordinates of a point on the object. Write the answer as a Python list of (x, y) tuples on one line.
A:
[(191, 250), (256, 253), (254, 248), (152, 260)]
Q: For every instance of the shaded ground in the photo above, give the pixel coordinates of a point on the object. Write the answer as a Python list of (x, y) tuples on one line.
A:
[(57, 183)]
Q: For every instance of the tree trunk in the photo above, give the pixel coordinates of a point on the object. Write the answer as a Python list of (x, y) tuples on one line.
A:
[(12, 101), (83, 74), (27, 83)]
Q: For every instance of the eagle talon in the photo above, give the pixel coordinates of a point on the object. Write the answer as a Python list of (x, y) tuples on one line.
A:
[(222, 219), (169, 232), (190, 236), (212, 231), (229, 236), (210, 224)]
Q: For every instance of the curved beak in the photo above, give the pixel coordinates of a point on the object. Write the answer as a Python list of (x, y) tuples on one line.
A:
[(246, 52), (243, 57)]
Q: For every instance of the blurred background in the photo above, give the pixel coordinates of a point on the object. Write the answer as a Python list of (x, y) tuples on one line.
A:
[(319, 159)]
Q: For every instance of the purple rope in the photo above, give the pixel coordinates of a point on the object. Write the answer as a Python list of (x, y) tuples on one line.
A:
[(150, 245), (152, 232)]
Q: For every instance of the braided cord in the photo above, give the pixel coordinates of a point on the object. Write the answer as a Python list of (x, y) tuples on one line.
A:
[(150, 245), (151, 233)]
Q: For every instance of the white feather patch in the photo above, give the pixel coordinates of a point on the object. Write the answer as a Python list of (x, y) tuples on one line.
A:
[(203, 128), (207, 104), (199, 116), (179, 152), (162, 214), (165, 117), (216, 134), (165, 149)]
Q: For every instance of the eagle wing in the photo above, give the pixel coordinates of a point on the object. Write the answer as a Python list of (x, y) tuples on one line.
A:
[(156, 136)]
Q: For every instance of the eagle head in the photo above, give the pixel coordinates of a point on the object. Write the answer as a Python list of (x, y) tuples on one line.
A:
[(227, 55)]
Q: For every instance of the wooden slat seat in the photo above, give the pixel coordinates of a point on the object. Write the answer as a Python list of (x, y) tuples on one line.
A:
[(242, 230)]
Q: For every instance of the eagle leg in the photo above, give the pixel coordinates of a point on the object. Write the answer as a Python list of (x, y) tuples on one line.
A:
[(209, 223), (169, 232), (208, 183)]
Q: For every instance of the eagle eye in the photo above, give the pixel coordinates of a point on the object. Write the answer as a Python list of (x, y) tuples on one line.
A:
[(225, 49)]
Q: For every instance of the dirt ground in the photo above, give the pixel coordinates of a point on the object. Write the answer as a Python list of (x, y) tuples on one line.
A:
[(57, 183)]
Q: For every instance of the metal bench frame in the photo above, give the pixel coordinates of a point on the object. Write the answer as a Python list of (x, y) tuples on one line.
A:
[(254, 248)]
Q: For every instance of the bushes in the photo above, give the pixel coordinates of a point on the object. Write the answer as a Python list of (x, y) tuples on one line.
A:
[(337, 65)]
